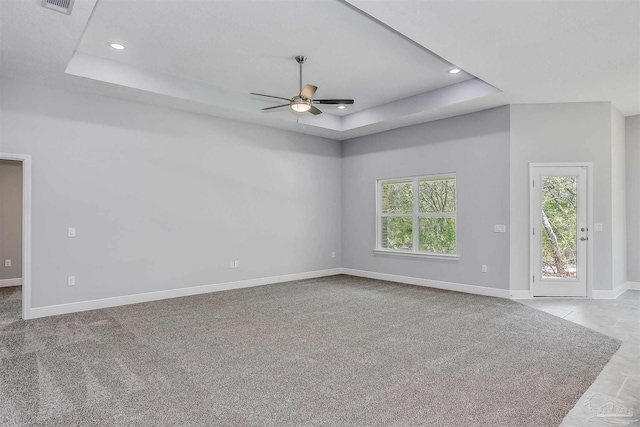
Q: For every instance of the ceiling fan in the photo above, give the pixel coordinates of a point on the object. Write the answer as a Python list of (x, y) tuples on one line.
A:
[(301, 103)]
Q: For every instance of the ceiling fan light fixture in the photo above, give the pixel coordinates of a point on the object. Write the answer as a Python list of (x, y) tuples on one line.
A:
[(341, 107), (300, 105)]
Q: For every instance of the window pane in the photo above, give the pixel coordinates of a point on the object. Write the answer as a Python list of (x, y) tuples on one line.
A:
[(397, 197), (437, 195), (397, 233), (438, 235), (559, 235)]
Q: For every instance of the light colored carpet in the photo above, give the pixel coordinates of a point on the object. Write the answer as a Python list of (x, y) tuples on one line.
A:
[(337, 351)]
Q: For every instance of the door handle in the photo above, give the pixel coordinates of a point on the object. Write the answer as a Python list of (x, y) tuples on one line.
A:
[(584, 238)]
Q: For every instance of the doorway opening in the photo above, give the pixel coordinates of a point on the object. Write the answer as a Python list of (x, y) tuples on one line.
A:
[(15, 232), (560, 227)]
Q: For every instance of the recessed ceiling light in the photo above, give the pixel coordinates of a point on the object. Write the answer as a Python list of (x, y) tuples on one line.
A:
[(454, 71), (342, 107), (116, 46)]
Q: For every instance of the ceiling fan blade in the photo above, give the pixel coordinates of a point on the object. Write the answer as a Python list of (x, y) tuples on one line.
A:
[(333, 101), (270, 96), (308, 91), (313, 110), (277, 106)]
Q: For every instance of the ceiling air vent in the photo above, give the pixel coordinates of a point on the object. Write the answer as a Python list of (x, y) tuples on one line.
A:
[(62, 6)]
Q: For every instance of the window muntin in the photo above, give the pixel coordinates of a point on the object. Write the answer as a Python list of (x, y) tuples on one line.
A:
[(418, 215)]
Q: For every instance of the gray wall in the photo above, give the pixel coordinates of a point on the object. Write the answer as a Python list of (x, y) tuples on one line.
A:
[(163, 199), (632, 141), (579, 132), (10, 219), (476, 147), (618, 200)]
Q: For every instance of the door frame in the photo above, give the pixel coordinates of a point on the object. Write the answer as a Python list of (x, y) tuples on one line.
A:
[(532, 267), (26, 228)]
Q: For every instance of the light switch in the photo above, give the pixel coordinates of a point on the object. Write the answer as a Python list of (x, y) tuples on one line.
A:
[(597, 227), (7, 263), (71, 232), (499, 228)]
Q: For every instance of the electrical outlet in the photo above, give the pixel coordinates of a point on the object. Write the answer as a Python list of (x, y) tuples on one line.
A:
[(71, 232), (484, 268), (333, 254), (7, 263), (499, 228), (71, 281), (232, 264), (597, 227), (236, 264)]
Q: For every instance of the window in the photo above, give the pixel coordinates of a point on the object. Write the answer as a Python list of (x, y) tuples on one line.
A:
[(417, 216)]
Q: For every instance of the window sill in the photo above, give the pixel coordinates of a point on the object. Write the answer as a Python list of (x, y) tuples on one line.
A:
[(416, 254)]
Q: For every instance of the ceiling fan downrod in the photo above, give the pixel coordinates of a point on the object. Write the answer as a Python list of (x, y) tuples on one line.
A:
[(301, 59)]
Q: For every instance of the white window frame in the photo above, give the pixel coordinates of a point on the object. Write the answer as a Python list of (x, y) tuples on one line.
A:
[(415, 215)]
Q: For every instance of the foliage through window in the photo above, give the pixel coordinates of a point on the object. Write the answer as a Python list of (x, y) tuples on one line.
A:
[(418, 214), (559, 217)]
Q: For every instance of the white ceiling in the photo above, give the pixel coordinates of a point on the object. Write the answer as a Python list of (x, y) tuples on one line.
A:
[(535, 51), (250, 47), (206, 56)]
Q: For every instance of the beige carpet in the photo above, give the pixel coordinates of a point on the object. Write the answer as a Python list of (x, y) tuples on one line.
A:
[(338, 351)]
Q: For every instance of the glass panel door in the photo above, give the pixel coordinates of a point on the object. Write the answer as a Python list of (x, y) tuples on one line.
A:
[(559, 231)]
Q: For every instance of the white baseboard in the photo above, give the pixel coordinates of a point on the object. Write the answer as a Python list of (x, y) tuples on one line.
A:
[(620, 290), (458, 287), (633, 285), (599, 294), (520, 294), (4, 283), (596, 294), (74, 307), (53, 310)]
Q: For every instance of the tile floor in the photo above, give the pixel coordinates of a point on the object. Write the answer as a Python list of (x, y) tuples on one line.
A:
[(619, 381)]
